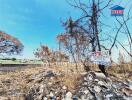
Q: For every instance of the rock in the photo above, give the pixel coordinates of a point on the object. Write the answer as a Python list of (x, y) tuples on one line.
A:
[(85, 78), (84, 97), (97, 89), (130, 84), (58, 98), (45, 98), (85, 83), (41, 89), (127, 98), (108, 96), (96, 80), (49, 83), (51, 94), (36, 76), (86, 91), (90, 77), (127, 91), (64, 87), (4, 98), (50, 74), (68, 96), (75, 97), (101, 83), (94, 87), (40, 97), (100, 75)]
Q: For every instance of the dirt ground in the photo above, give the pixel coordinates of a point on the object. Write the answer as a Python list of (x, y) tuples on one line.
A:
[(20, 80)]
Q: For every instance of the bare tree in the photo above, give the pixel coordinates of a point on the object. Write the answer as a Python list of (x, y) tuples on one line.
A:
[(88, 25), (74, 41), (44, 53), (47, 55), (121, 58), (123, 29)]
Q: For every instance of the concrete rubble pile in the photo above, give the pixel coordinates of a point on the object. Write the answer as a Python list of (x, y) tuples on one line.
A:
[(98, 87), (94, 86)]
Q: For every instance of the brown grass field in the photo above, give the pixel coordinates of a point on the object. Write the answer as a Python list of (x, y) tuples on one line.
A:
[(71, 78)]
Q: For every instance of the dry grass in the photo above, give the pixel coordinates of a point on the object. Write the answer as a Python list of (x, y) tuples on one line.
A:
[(123, 71), (70, 76), (71, 81), (17, 80)]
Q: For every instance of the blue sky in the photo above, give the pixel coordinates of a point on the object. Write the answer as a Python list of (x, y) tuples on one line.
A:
[(33, 21), (38, 21)]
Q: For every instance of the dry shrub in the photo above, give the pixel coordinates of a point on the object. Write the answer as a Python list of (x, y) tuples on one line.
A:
[(70, 76), (71, 81), (122, 71), (18, 81)]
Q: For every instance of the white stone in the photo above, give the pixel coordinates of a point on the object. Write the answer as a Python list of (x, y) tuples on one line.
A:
[(108, 96), (127, 98), (96, 80), (101, 83), (85, 83), (83, 98), (85, 78), (68, 96), (49, 83), (86, 91), (97, 89), (64, 87), (130, 86), (40, 96), (51, 94), (41, 88), (45, 98), (63, 98), (90, 77), (100, 75)]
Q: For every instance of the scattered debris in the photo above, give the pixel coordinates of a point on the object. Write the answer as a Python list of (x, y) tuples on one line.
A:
[(93, 87)]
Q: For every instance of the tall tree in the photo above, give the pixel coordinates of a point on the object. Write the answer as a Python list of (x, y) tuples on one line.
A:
[(88, 25)]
